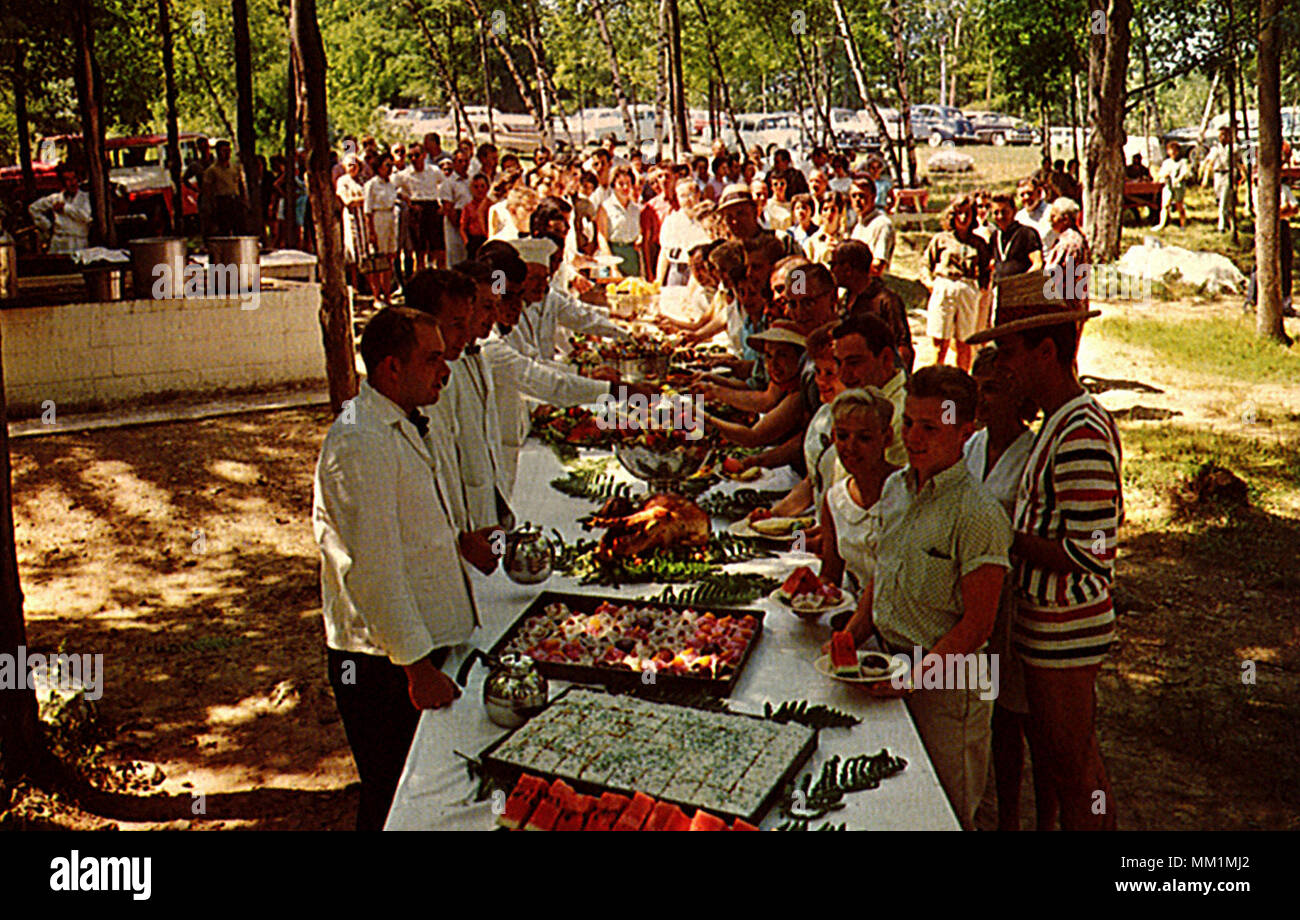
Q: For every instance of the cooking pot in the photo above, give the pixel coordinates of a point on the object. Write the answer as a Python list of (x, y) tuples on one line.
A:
[(158, 266)]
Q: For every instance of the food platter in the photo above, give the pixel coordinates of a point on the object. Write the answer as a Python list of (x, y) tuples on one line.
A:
[(731, 764), (744, 528), (717, 681), (822, 666), (848, 602)]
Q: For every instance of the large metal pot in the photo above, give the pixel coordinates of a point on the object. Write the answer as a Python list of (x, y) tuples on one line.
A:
[(8, 267), (242, 252), (158, 266), (105, 283)]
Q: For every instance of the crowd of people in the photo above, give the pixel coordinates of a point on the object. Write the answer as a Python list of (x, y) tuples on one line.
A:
[(962, 530)]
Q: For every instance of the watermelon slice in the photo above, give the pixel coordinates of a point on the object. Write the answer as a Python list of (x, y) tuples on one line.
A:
[(549, 808), (521, 801), (801, 581), (844, 655), (678, 821), (664, 816), (608, 808), (739, 825), (703, 821), (635, 814), (575, 814)]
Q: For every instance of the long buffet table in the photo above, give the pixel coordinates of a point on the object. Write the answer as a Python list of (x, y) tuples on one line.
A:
[(436, 791)]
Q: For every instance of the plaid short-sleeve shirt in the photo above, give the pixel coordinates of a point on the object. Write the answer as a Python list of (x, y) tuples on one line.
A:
[(925, 542)]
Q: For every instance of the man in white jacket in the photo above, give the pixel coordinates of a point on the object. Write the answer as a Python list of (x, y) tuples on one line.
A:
[(64, 215), (394, 592)]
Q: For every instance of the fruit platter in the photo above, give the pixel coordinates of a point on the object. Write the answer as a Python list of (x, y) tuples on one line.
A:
[(632, 644), (718, 762), (572, 427), (644, 356), (631, 297), (535, 805), (807, 596)]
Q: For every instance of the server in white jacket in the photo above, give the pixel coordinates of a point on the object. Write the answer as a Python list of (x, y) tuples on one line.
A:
[(478, 435), (394, 594), (518, 368), (64, 215)]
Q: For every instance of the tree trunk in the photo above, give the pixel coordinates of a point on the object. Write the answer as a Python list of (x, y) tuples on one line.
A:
[(290, 224), (440, 64), (1074, 116), (681, 126), (22, 744), (510, 65), (1209, 107), (661, 81), (546, 87), (253, 222), (1232, 126), (1268, 311), (90, 100), (487, 87), (855, 67), (1107, 64), (20, 118), (630, 124), (1245, 100), (904, 100), (173, 132), (712, 47), (806, 74), (335, 314)]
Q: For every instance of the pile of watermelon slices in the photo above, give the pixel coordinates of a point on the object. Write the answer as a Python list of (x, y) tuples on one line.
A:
[(534, 805)]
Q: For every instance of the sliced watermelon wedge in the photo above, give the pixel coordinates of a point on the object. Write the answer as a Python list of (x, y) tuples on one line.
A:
[(634, 816), (844, 654), (703, 821), (739, 825), (607, 811), (523, 798)]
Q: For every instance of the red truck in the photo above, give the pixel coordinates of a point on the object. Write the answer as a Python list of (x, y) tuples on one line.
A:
[(141, 185)]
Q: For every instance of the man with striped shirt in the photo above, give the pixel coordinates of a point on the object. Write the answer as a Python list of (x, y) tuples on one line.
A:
[(1068, 512)]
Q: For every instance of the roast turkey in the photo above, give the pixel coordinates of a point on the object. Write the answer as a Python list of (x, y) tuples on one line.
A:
[(660, 521)]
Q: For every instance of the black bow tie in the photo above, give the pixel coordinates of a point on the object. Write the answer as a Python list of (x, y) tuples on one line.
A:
[(420, 421), (472, 349)]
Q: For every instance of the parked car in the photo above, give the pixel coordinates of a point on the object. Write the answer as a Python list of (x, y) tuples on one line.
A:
[(591, 125), (998, 129), (941, 125), (853, 130), (766, 129)]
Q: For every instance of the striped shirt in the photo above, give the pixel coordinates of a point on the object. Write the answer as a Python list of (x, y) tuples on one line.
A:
[(1070, 492)]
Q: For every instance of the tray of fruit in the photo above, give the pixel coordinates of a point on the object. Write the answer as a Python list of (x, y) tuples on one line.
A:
[(808, 597), (574, 426), (627, 644)]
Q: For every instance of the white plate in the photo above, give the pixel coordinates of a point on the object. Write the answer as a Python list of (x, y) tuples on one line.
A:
[(741, 528), (848, 603), (823, 667)]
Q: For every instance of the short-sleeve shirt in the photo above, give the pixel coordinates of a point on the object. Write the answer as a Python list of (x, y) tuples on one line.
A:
[(1071, 492), (957, 258), (1012, 249), (420, 184), (924, 543), (881, 302), (877, 231)]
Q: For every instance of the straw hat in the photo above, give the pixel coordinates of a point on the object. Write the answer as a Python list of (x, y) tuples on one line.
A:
[(735, 194), (781, 332), (1029, 301)]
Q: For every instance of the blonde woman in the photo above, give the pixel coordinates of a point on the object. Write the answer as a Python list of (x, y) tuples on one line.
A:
[(955, 267), (498, 211), (520, 204), (861, 430)]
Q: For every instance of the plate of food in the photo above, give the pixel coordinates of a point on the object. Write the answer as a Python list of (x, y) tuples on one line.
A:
[(808, 597), (845, 663), (782, 529)]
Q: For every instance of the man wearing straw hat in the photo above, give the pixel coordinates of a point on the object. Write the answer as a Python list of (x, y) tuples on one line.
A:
[(1068, 511)]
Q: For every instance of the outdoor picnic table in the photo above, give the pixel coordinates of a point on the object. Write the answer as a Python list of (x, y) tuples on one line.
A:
[(436, 790), (1142, 194), (914, 200)]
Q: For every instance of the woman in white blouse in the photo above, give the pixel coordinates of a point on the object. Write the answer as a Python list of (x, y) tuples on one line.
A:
[(996, 455), (618, 222), (381, 220), (356, 235), (861, 430)]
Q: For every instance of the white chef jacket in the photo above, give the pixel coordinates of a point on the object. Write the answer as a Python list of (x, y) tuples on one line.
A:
[(478, 443), (70, 227), (538, 321), (392, 580), (444, 429), (518, 370)]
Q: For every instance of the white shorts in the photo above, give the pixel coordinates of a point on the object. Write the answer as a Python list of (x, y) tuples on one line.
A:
[(953, 311)]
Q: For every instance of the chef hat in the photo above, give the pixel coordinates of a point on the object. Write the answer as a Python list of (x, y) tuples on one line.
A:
[(537, 250)]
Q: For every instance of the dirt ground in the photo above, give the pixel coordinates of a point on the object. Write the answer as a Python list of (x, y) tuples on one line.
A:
[(183, 552)]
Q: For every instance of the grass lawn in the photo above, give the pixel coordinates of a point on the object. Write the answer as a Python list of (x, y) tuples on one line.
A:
[(1222, 346)]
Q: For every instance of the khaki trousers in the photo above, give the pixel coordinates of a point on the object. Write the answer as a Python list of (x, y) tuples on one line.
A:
[(956, 729)]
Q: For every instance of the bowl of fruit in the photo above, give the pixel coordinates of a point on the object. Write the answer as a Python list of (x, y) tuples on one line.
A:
[(662, 457)]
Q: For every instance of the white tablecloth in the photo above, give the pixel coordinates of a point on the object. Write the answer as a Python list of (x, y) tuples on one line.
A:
[(435, 792)]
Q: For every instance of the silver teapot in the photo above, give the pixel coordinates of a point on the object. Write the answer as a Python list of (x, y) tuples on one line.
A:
[(529, 556), (514, 691)]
